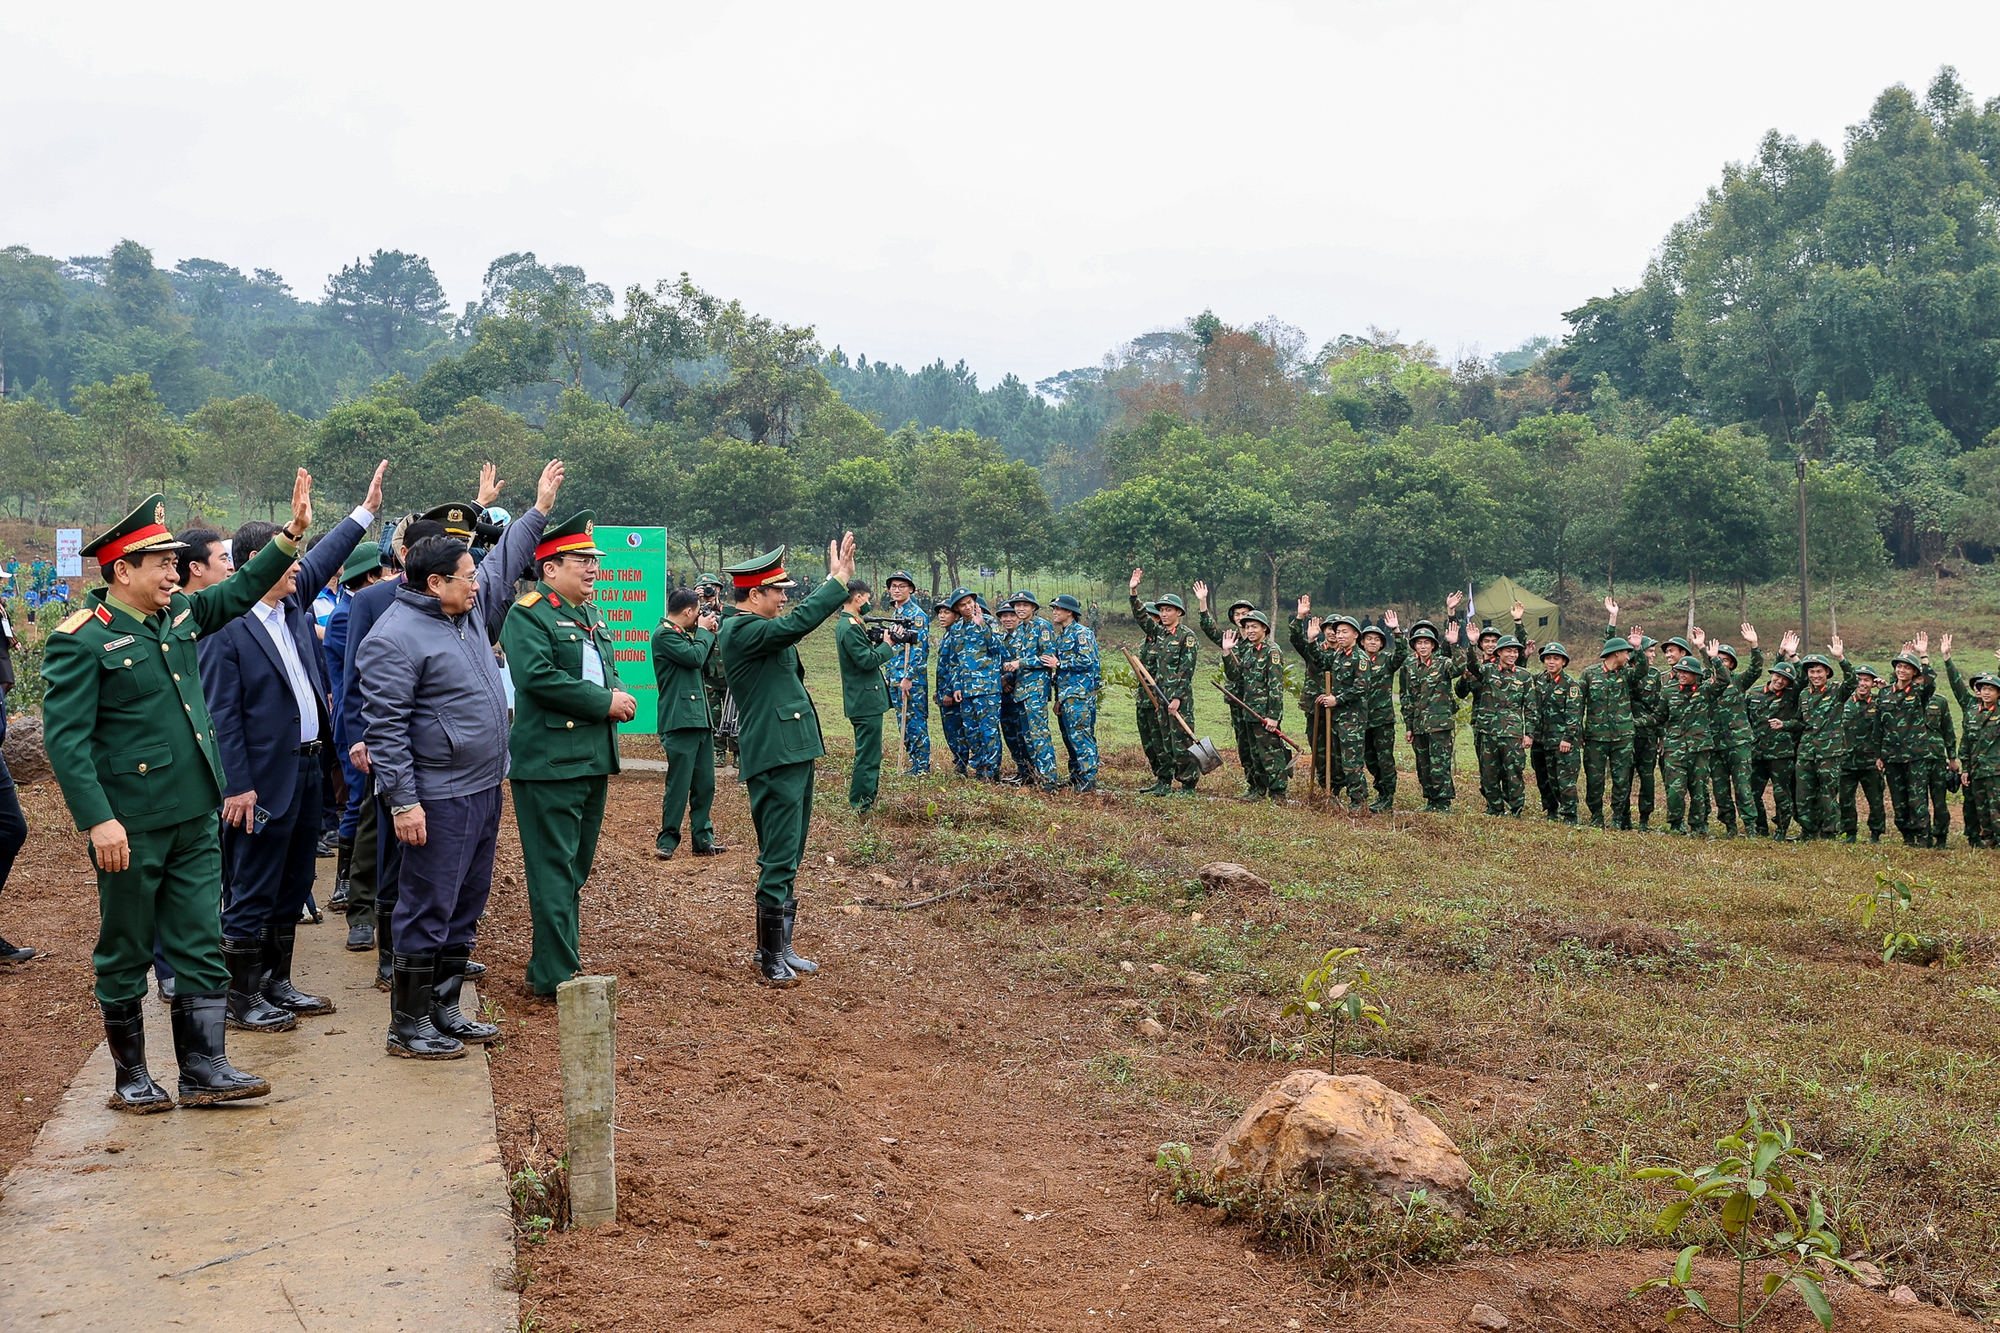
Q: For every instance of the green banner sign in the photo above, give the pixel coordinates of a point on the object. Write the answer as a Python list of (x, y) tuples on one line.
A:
[(632, 593)]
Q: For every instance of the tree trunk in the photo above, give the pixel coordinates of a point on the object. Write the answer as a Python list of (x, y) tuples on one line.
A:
[(1743, 601), (1271, 588), (1611, 577), (934, 580), (1690, 625)]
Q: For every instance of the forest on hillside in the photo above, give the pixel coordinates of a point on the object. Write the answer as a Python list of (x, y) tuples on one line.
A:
[(1836, 306)]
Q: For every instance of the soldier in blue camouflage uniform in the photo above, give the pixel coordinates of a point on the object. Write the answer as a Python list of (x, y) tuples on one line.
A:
[(1079, 680), (1033, 646), (1903, 739), (947, 698), (908, 672), (1168, 655), (1503, 711), (1558, 749), (1011, 735), (1861, 721), (1730, 738), (1379, 658), (979, 655), (1773, 714), (1430, 713), (1256, 673), (1342, 709)]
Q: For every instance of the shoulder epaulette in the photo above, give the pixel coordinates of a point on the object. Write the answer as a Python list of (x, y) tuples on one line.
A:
[(528, 599), (73, 622)]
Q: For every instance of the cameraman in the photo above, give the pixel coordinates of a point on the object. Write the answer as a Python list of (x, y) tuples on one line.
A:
[(865, 697)]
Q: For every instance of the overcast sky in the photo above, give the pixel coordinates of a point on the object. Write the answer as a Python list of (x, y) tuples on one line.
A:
[(1021, 185)]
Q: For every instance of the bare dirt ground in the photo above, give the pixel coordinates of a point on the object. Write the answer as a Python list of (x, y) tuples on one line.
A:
[(915, 1139)]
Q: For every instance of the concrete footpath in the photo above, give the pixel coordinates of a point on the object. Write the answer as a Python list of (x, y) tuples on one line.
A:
[(366, 1192)]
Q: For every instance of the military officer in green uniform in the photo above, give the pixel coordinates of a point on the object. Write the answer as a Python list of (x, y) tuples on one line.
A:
[(864, 695), (683, 648), (780, 736), (145, 785), (563, 746)]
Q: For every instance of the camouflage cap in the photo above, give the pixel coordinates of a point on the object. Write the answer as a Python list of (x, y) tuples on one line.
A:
[(1615, 646)]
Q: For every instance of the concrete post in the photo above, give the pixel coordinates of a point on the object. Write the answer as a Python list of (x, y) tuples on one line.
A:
[(587, 1025)]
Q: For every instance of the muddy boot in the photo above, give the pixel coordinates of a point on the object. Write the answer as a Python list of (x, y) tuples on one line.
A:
[(343, 860), (279, 942), (772, 969), (134, 1091), (446, 1016), (805, 967), (206, 1074), (385, 946), (248, 1010), (412, 1035)]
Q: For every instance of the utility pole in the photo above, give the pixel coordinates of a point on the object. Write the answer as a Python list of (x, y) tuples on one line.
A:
[(1805, 591)]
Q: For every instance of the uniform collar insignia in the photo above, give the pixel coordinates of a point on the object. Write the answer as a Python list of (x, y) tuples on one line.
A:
[(104, 613), (554, 600)]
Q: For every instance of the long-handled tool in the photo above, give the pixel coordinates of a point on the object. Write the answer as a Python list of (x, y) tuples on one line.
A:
[(1201, 749), (903, 712), (1326, 735), (1297, 748)]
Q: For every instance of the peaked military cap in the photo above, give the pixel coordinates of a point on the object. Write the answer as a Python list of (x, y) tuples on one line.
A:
[(575, 535), (1615, 646), (1068, 603), (761, 571), (956, 596), (1508, 642), (1423, 629), (1678, 642), (1256, 615), (1910, 660), (1172, 599), (366, 556), (1553, 649), (905, 575), (1865, 670), (1025, 596), (1691, 663), (458, 519), (140, 532)]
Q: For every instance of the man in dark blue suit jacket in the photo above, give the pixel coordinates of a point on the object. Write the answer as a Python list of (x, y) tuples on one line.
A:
[(266, 688)]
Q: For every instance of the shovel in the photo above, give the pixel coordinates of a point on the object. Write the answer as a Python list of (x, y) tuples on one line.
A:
[(1298, 747), (1201, 749)]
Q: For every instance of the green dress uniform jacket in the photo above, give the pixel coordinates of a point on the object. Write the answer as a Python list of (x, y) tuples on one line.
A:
[(119, 753), (562, 724), (680, 661), (862, 693), (562, 749)]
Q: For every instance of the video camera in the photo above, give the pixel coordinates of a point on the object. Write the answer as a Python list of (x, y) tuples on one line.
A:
[(892, 629)]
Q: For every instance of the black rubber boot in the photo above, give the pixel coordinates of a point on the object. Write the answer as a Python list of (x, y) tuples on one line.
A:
[(279, 943), (206, 1074), (343, 860), (772, 969), (446, 1016), (411, 1033), (134, 1091), (805, 967), (14, 953), (385, 945), (249, 1011)]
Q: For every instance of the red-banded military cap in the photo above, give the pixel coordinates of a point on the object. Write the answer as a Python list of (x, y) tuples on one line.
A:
[(572, 536), (761, 571), (140, 532)]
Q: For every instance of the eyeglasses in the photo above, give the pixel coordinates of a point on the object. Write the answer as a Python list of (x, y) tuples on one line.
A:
[(459, 578), (584, 561)]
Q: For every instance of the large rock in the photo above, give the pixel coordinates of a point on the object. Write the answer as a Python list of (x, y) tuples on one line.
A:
[(1312, 1129), (26, 759), (1228, 877)]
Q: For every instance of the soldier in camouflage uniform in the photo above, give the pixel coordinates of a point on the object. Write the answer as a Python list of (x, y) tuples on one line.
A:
[(947, 690), (1608, 726), (1558, 749), (1169, 655), (1430, 713), (1648, 721), (1341, 708), (1256, 674), (1729, 766), (1861, 767), (1689, 710), (1822, 743), (1979, 749), (908, 671), (979, 655), (1079, 680), (1011, 718), (1903, 740), (1773, 714), (1213, 632), (1940, 766), (1033, 647), (1503, 724), (1379, 658)]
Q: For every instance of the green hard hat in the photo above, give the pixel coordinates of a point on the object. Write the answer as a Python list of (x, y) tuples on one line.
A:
[(1785, 671), (1615, 646), (1985, 678), (1173, 600), (1230, 610), (1485, 630), (1257, 616), (1724, 650), (1865, 670), (1678, 642), (1910, 660), (1555, 650), (1508, 642), (1814, 660), (365, 557), (1423, 629), (1691, 664), (1348, 621), (1643, 642)]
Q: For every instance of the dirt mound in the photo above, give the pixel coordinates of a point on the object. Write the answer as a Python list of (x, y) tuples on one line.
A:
[(1627, 939)]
